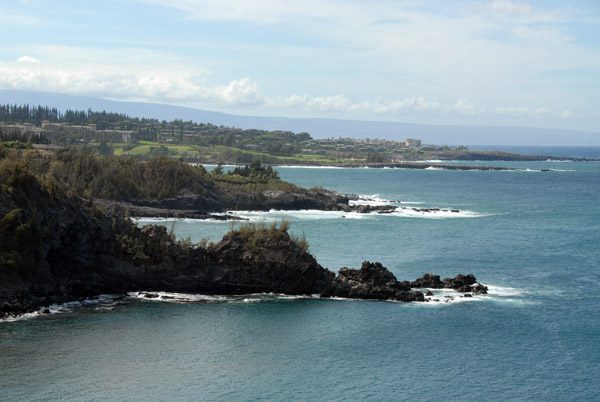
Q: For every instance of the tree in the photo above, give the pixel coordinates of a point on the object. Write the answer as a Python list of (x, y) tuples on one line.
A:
[(218, 170), (105, 150)]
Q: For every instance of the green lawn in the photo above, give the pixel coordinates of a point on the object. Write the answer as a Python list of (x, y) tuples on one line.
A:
[(206, 152)]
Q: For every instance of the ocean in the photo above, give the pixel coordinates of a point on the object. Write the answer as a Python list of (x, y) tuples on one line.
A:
[(532, 236)]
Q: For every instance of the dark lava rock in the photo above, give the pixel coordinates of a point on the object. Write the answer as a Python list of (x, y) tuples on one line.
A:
[(464, 284), (459, 281), (429, 293), (427, 281), (371, 281), (479, 289)]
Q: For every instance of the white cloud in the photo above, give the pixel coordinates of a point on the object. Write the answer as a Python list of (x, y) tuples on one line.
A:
[(28, 59), (502, 7), (180, 84), (264, 11), (158, 83), (520, 111), (239, 92)]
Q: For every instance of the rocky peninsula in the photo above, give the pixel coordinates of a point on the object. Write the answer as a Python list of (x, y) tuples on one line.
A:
[(56, 247)]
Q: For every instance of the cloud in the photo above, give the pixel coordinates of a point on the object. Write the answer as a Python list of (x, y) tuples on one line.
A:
[(239, 92), (502, 7), (520, 12), (263, 11), (521, 111), (184, 85), (158, 83), (28, 59)]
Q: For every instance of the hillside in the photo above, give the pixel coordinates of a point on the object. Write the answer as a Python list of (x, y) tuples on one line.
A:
[(320, 128)]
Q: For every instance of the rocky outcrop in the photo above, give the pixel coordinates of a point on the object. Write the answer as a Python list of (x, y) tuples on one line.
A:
[(55, 249), (460, 283), (371, 281), (198, 206)]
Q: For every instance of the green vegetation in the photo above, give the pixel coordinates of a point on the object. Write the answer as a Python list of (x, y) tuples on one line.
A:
[(42, 216), (83, 173), (191, 141), (144, 138), (256, 171), (258, 236)]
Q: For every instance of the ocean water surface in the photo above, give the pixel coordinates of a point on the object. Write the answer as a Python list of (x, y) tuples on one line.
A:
[(532, 236)]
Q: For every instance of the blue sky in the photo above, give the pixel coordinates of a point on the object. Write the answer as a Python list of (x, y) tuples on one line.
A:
[(496, 62)]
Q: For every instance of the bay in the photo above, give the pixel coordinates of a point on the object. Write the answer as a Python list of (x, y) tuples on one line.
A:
[(531, 235)]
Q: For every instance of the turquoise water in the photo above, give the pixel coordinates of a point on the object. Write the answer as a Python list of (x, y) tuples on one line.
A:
[(531, 236)]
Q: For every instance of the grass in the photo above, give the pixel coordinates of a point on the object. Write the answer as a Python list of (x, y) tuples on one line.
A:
[(257, 235), (211, 153)]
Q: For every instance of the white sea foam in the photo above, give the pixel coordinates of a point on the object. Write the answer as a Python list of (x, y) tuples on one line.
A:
[(508, 295), (304, 214), (308, 167), (372, 200), (177, 297), (401, 211), (496, 294), (442, 213), (446, 296), (101, 302), (201, 298), (434, 168), (504, 291), (172, 220)]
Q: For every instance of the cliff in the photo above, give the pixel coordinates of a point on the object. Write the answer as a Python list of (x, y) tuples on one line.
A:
[(56, 247)]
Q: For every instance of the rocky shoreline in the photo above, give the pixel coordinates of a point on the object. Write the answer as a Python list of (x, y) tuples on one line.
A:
[(372, 281), (181, 208), (56, 248), (63, 249), (426, 165)]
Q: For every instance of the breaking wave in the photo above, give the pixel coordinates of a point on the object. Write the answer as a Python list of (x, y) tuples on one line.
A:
[(200, 298), (101, 302)]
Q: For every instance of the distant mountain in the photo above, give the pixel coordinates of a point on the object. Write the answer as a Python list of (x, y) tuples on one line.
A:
[(318, 127)]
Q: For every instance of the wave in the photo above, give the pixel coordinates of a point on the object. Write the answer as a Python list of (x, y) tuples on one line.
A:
[(307, 167), (169, 220), (303, 214), (100, 302), (434, 168), (496, 294), (447, 296), (371, 200), (208, 299), (435, 213), (503, 294)]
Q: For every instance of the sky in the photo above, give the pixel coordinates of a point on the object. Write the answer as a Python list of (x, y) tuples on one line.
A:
[(509, 63)]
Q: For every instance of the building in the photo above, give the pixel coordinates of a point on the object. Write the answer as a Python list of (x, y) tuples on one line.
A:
[(412, 143)]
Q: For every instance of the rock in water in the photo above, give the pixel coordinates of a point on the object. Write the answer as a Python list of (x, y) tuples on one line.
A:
[(371, 281), (465, 283), (427, 281)]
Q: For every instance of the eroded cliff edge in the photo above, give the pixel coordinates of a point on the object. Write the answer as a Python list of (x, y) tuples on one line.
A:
[(56, 248)]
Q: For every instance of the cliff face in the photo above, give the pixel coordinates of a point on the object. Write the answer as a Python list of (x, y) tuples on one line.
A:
[(259, 198), (54, 249)]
